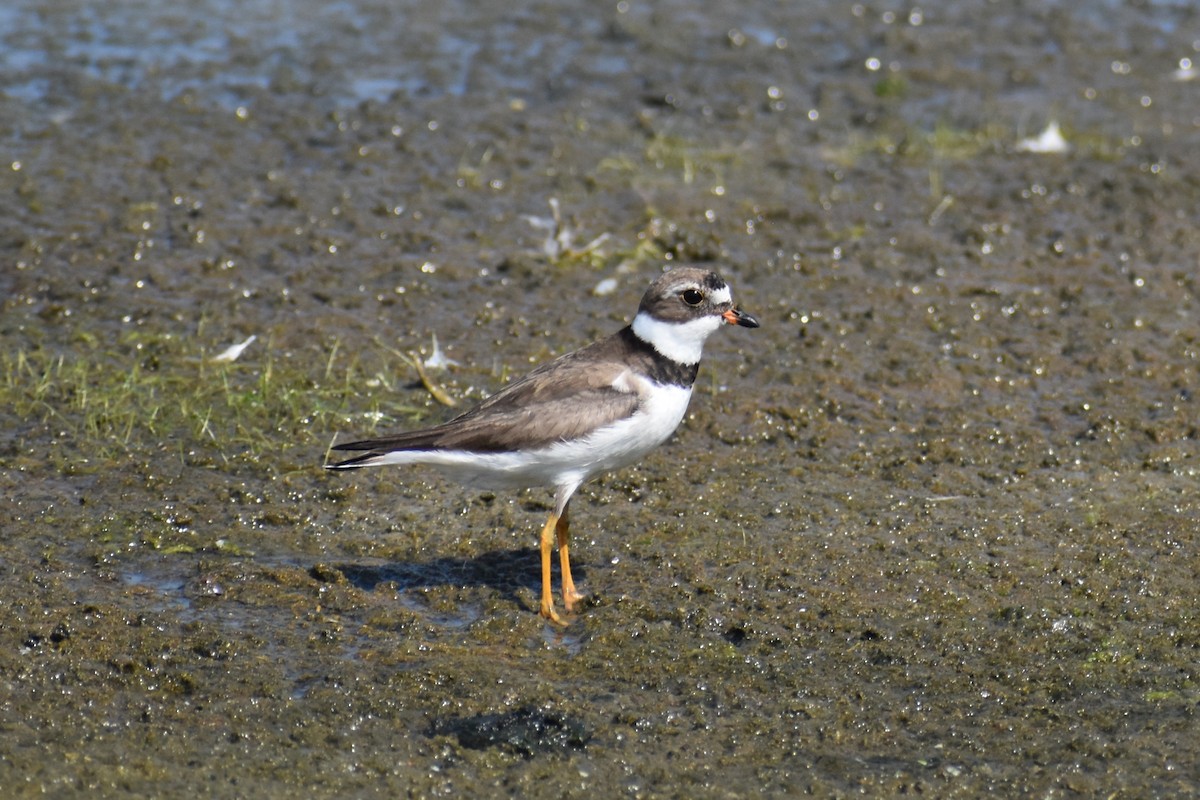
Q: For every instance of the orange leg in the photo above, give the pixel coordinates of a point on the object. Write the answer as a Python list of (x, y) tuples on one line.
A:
[(571, 597), (547, 545)]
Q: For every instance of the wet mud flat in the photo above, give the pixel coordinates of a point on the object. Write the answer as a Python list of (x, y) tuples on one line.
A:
[(931, 530)]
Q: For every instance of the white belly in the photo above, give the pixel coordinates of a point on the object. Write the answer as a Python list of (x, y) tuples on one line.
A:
[(569, 462)]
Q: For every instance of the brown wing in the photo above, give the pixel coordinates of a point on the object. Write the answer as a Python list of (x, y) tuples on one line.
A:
[(564, 399)]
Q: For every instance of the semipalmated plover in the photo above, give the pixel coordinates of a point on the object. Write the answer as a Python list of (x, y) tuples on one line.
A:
[(590, 411)]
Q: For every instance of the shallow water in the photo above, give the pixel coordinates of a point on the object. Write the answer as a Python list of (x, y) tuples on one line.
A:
[(931, 529)]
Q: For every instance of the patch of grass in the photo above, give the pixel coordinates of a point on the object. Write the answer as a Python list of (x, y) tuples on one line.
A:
[(150, 392), (664, 152), (944, 143), (947, 144), (690, 160)]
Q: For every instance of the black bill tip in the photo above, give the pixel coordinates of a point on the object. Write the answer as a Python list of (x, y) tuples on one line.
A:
[(735, 316)]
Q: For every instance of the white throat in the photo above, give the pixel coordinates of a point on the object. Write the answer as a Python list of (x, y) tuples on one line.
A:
[(682, 342)]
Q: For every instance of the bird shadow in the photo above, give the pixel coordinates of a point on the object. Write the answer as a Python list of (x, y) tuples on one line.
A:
[(508, 572)]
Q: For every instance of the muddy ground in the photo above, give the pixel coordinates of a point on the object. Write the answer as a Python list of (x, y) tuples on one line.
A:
[(931, 530)]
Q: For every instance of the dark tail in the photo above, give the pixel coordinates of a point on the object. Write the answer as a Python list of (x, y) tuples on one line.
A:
[(353, 463)]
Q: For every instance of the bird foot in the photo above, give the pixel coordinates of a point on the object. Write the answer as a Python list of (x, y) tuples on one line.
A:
[(549, 613), (571, 601)]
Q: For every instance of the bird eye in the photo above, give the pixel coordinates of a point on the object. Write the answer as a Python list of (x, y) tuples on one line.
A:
[(693, 297)]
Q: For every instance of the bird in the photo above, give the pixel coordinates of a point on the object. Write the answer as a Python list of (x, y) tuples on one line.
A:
[(589, 411)]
